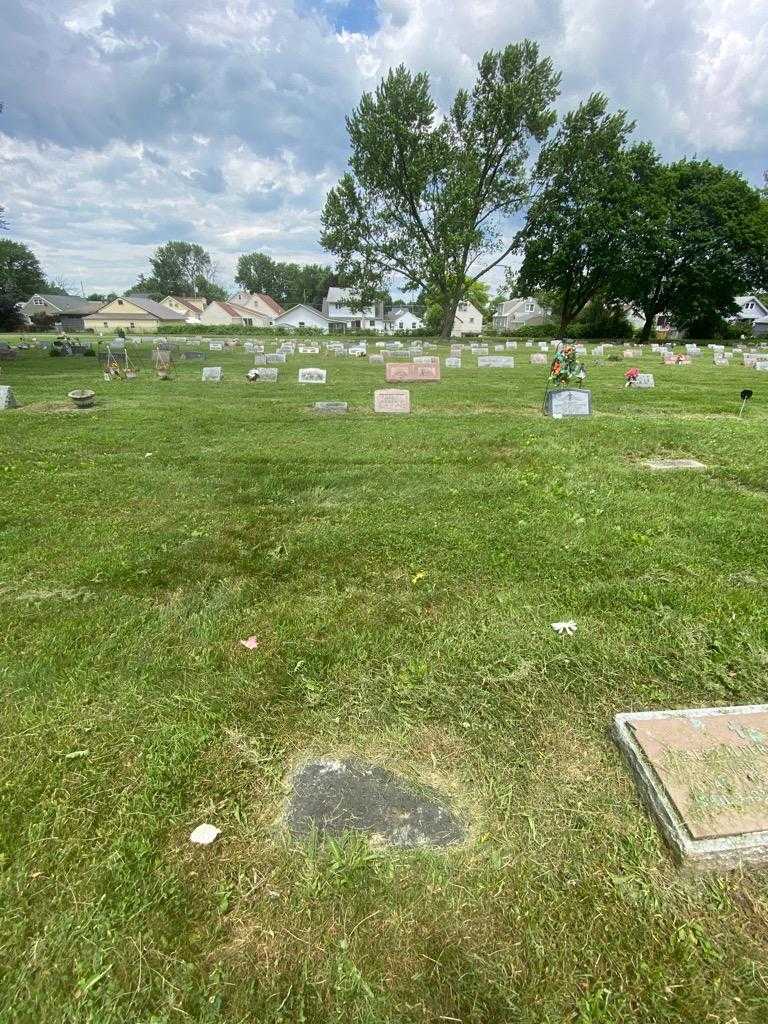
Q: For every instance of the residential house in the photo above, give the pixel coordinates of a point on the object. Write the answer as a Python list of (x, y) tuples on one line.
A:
[(220, 312), (190, 306), (751, 308), (302, 315), (342, 318), (68, 310), (760, 327), (468, 320), (132, 313), (402, 319), (521, 312), (261, 303)]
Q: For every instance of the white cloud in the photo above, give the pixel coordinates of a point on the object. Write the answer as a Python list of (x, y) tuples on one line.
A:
[(128, 123)]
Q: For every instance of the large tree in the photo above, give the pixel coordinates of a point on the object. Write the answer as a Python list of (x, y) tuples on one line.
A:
[(579, 228), (701, 239), (428, 197), (20, 272), (287, 283), (180, 268)]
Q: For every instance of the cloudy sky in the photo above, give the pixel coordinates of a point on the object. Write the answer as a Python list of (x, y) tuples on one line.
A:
[(131, 122)]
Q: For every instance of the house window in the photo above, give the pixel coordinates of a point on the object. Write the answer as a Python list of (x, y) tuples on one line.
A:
[(400, 325), (471, 319), (131, 324), (529, 308), (106, 324), (371, 323), (38, 302), (119, 302), (248, 322), (301, 323)]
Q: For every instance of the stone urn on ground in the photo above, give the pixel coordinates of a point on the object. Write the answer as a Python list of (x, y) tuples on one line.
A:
[(82, 398)]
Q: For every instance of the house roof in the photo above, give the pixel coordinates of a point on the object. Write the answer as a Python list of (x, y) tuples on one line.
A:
[(338, 294), (303, 305), (188, 302), (276, 308), (72, 304), (156, 309), (398, 311)]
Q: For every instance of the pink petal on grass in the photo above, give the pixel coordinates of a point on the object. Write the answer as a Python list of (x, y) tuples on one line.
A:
[(251, 643)]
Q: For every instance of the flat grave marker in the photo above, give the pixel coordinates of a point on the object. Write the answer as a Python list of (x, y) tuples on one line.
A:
[(311, 375), (538, 359), (262, 374), (332, 797), (645, 380), (216, 346), (212, 373), (412, 371), (672, 464), (333, 408), (703, 773), (452, 363), (496, 362), (392, 400)]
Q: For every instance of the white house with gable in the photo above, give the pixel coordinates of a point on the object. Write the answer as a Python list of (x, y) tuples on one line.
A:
[(751, 308), (402, 319), (342, 318), (516, 313), (302, 315), (468, 320)]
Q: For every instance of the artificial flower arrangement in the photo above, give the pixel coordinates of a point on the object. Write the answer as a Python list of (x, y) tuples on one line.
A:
[(631, 376), (565, 368)]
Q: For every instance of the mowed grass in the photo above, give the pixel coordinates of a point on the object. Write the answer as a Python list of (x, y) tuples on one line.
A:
[(402, 573)]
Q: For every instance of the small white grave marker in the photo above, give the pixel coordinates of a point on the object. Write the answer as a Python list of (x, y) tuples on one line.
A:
[(311, 375), (212, 373), (392, 400)]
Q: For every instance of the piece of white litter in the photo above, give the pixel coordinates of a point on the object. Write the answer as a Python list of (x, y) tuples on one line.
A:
[(251, 643), (565, 628), (204, 835)]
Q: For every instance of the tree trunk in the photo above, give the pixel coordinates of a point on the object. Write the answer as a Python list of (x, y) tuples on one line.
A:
[(647, 327), (449, 315)]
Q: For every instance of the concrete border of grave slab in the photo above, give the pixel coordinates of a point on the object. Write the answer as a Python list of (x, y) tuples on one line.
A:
[(661, 465), (700, 855)]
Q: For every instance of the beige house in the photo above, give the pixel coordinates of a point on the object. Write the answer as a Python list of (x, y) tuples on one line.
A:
[(218, 312), (191, 307), (468, 320), (134, 314), (259, 302)]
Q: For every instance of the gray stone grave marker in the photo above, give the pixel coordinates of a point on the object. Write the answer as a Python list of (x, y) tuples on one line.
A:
[(335, 408), (568, 402), (212, 373), (7, 398), (452, 363), (311, 375), (496, 362)]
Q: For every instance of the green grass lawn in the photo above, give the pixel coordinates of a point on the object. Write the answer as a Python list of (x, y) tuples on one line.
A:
[(402, 573)]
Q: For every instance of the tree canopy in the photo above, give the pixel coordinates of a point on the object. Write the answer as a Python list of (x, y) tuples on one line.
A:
[(701, 238), (579, 229), (427, 198), (287, 283), (179, 268), (20, 272)]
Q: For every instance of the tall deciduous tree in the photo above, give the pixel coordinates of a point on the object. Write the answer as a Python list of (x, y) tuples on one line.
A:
[(180, 268), (701, 239), (20, 272), (578, 230), (428, 198)]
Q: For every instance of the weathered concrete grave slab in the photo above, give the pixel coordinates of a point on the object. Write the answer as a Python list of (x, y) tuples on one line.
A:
[(538, 358), (703, 773), (377, 357), (395, 400), (311, 375), (212, 373), (645, 380), (452, 363), (216, 346), (333, 797), (7, 398), (335, 408), (193, 355), (275, 358), (674, 464), (412, 371)]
